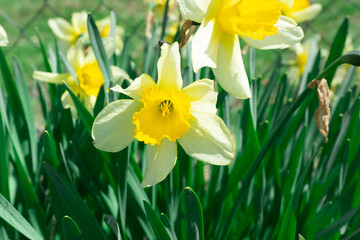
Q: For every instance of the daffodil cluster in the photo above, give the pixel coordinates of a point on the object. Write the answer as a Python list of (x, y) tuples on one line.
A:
[(161, 113), (89, 78), (69, 33)]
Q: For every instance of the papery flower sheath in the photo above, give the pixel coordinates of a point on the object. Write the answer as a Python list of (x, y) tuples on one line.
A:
[(69, 33), (216, 42), (300, 10), (88, 74), (162, 114), (3, 37)]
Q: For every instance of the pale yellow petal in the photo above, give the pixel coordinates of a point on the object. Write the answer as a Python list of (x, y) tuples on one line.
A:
[(169, 67), (67, 102), (62, 29), (79, 22), (193, 10), (137, 86), (160, 160), (230, 71), (288, 34), (202, 96), (56, 78), (205, 45), (3, 37), (119, 74), (208, 140), (307, 14), (113, 129), (75, 55)]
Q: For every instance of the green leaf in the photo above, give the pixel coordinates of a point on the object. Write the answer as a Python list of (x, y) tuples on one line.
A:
[(99, 51), (352, 57), (190, 216), (156, 224), (334, 227), (14, 218), (43, 52), (26, 100), (337, 48), (70, 229), (84, 115), (112, 223), (50, 151), (4, 161), (75, 207)]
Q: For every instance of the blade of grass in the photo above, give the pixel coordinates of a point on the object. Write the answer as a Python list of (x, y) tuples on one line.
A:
[(14, 218)]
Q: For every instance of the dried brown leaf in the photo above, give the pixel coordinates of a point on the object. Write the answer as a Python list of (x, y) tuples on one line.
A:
[(322, 113), (186, 30)]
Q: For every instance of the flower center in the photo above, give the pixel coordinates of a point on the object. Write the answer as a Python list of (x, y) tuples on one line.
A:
[(252, 18), (165, 114), (166, 107), (105, 31), (90, 78)]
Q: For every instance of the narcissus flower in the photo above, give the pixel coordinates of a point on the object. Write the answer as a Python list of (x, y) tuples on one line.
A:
[(300, 10), (70, 32), (216, 43), (161, 114), (3, 37), (89, 77)]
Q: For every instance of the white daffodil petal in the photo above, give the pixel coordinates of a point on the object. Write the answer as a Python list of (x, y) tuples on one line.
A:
[(230, 71), (193, 10), (119, 74), (62, 29), (3, 37), (169, 63), (137, 86), (287, 35), (75, 55), (205, 45), (308, 13), (79, 21), (160, 160), (208, 139), (67, 102), (202, 96), (113, 129), (56, 78)]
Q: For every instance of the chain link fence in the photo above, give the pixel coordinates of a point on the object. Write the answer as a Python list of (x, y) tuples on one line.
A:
[(21, 17)]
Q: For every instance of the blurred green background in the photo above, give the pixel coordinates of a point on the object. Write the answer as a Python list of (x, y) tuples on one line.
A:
[(20, 18)]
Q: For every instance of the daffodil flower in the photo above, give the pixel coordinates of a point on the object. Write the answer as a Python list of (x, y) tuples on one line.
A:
[(88, 74), (3, 37), (300, 10), (161, 114), (70, 32), (216, 43)]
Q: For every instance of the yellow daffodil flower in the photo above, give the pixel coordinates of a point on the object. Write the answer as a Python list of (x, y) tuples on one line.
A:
[(216, 43), (298, 66), (70, 32), (300, 10), (161, 114), (3, 37), (89, 77)]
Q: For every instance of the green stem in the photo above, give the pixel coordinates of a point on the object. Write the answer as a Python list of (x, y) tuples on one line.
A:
[(225, 231)]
